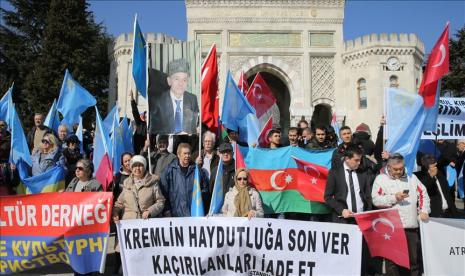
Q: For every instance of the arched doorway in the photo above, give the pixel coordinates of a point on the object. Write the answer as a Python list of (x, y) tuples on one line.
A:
[(280, 91), (322, 114)]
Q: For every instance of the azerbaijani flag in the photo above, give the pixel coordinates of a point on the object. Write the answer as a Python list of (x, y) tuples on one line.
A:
[(290, 179)]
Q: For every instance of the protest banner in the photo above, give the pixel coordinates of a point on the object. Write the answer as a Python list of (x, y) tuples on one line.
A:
[(451, 120), (238, 246), (443, 246), (43, 229)]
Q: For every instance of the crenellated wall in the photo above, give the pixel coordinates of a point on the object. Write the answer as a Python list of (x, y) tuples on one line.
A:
[(367, 58), (121, 81)]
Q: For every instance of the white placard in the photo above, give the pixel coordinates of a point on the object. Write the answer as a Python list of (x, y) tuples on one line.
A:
[(443, 246), (451, 120), (238, 246)]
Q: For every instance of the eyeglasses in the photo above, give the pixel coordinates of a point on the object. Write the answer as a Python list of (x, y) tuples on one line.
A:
[(44, 141), (79, 168), (242, 179)]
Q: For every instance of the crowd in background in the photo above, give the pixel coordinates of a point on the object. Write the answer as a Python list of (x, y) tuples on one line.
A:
[(156, 179)]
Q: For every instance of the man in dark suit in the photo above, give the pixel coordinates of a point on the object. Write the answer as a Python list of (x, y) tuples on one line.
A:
[(175, 111), (441, 202), (348, 190)]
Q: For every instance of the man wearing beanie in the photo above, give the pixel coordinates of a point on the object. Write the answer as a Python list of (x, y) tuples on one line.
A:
[(175, 111)]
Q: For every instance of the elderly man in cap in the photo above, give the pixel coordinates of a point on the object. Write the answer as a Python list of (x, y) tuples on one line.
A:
[(226, 154), (176, 110)]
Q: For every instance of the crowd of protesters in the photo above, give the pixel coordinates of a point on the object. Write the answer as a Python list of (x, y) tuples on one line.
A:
[(363, 176)]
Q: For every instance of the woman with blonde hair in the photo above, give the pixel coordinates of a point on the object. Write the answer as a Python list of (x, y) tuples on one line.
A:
[(242, 200), (47, 156)]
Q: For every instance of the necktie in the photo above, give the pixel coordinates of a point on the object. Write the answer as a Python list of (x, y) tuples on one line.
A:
[(352, 192), (178, 117)]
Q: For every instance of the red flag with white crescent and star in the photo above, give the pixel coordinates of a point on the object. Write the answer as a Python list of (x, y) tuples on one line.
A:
[(437, 67), (209, 86), (385, 235), (316, 174), (263, 137), (260, 96), (242, 83)]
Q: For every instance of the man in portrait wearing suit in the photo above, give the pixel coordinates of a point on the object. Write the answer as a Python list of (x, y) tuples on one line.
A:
[(175, 111), (348, 191)]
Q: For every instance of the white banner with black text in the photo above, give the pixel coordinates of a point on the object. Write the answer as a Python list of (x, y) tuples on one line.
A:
[(238, 246), (443, 246), (451, 120)]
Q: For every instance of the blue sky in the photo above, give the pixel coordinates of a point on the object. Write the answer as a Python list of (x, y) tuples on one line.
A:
[(425, 18)]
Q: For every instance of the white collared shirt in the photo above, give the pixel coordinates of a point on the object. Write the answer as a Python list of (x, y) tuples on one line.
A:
[(358, 199)]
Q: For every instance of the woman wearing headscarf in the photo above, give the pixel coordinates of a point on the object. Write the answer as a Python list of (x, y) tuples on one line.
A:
[(83, 182), (47, 156), (242, 200), (141, 197)]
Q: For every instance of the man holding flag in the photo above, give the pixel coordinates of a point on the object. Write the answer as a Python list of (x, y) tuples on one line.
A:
[(348, 191), (396, 189), (177, 184)]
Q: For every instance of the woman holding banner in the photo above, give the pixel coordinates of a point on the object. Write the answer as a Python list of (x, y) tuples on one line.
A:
[(141, 197), (242, 200)]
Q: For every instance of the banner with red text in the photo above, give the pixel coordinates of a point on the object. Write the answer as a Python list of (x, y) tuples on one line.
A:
[(43, 229), (238, 246)]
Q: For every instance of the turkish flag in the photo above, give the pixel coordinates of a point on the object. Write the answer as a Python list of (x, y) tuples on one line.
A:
[(316, 174), (260, 96), (209, 86), (242, 83), (104, 173), (262, 139), (240, 163), (384, 234), (437, 67)]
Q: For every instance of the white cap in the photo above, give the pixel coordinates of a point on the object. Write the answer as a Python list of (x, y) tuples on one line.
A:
[(138, 159)]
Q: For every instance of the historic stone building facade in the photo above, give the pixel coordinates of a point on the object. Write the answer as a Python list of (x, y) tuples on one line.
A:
[(299, 48)]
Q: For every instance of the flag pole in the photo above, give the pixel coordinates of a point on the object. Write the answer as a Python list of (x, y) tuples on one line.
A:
[(147, 116)]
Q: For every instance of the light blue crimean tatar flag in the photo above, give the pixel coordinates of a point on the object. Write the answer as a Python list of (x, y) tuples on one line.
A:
[(197, 209), (116, 147), (218, 193), (127, 135), (19, 153), (406, 116), (73, 100), (108, 121), (139, 60), (101, 139), (238, 114), (79, 135), (4, 103), (53, 118)]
